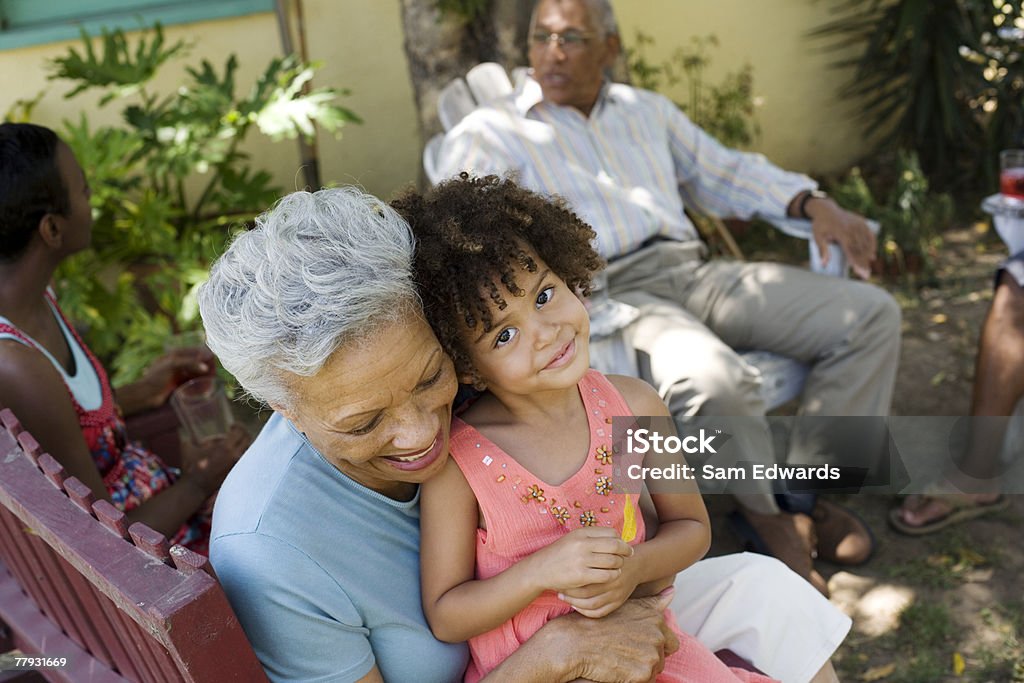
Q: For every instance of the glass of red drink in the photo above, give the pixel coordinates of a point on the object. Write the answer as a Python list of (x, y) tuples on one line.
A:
[(1011, 173)]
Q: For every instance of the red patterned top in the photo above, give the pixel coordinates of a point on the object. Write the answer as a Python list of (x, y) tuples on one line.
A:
[(131, 473)]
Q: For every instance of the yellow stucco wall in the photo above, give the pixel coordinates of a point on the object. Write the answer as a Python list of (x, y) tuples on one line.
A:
[(253, 38), (803, 124)]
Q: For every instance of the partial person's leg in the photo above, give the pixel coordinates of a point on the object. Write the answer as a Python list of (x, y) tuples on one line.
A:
[(754, 606), (849, 334), (998, 386), (847, 331), (692, 369), (697, 374), (999, 374)]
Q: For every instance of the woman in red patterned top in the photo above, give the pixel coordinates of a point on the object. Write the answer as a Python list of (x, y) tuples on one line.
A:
[(51, 380)]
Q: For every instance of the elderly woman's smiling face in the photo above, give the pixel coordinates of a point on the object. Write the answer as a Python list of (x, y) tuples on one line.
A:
[(380, 410)]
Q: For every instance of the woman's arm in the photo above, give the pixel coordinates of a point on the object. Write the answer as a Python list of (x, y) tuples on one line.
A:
[(459, 607), (629, 645), (684, 532), (31, 388)]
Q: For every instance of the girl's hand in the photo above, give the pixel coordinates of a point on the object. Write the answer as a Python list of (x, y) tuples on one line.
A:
[(600, 599), (583, 557)]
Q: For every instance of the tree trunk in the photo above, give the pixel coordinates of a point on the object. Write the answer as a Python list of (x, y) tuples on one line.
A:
[(441, 46)]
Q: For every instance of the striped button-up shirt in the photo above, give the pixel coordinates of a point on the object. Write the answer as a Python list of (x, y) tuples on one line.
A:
[(628, 169)]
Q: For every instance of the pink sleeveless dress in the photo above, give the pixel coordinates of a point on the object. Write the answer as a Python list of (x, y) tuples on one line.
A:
[(132, 474), (524, 514)]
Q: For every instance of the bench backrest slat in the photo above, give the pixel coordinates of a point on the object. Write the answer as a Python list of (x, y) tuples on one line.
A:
[(133, 608), (25, 566)]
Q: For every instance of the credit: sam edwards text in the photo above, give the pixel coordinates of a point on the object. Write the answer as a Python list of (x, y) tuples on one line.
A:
[(753, 471)]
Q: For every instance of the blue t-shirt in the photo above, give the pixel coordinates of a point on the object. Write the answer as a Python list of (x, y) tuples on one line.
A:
[(323, 572)]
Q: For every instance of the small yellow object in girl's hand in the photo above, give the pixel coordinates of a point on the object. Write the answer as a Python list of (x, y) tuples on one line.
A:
[(629, 521)]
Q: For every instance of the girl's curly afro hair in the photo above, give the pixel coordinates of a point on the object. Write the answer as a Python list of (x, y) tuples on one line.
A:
[(472, 232)]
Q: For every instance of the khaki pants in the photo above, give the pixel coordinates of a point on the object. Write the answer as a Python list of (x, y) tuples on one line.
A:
[(695, 312)]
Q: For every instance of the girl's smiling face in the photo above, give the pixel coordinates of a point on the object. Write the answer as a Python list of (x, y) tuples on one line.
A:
[(538, 342)]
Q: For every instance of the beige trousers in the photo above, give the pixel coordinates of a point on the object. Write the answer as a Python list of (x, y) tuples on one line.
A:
[(694, 313)]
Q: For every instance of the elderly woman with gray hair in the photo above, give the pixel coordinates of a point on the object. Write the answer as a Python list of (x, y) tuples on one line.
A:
[(316, 529)]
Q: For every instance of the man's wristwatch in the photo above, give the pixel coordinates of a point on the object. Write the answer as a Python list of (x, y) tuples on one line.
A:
[(808, 196)]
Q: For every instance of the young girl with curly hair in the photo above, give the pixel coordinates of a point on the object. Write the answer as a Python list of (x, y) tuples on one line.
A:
[(524, 523)]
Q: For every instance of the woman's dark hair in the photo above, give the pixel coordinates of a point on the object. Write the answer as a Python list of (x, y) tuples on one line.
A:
[(471, 232), (30, 184)]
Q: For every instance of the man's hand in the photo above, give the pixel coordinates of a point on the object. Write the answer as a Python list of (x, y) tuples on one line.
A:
[(831, 224)]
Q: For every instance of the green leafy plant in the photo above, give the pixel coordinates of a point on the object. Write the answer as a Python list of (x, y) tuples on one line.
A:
[(911, 215), (171, 183), (726, 110), (936, 77), (467, 9)]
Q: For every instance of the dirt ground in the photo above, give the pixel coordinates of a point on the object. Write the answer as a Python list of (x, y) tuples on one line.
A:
[(950, 606)]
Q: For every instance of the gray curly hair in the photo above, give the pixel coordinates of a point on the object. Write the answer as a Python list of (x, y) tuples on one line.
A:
[(319, 270)]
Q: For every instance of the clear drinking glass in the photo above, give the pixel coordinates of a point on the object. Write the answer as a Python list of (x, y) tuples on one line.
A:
[(203, 408)]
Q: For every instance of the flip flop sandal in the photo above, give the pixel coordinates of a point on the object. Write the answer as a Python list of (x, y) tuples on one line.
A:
[(960, 511)]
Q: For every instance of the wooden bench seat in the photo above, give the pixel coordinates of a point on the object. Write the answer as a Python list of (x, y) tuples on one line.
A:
[(116, 601)]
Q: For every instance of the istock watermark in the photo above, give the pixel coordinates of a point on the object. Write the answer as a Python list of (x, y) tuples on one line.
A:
[(888, 455), (645, 441)]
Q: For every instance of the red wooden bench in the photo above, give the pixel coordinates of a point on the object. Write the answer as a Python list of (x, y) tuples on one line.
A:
[(115, 601)]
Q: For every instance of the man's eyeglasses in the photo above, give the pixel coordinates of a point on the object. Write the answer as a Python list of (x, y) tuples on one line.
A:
[(567, 41)]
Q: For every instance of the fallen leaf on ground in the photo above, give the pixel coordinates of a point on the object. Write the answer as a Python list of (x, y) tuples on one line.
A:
[(958, 664), (877, 673)]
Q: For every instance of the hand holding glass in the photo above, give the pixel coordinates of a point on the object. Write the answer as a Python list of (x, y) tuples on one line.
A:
[(203, 408), (190, 345)]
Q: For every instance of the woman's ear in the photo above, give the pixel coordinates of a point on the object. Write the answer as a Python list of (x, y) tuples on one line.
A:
[(50, 231)]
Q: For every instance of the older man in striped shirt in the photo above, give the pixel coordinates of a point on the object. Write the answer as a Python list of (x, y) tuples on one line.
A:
[(629, 162)]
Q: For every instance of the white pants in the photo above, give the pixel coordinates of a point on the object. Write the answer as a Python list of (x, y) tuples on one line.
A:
[(756, 607)]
